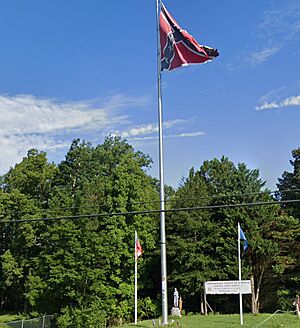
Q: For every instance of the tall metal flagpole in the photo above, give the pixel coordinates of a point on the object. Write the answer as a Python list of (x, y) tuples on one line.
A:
[(240, 274), (164, 293)]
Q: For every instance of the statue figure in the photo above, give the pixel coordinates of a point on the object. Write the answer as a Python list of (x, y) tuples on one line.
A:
[(176, 297), (180, 304), (297, 304)]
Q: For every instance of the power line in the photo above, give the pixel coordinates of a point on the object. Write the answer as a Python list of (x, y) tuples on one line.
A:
[(197, 208), (154, 201)]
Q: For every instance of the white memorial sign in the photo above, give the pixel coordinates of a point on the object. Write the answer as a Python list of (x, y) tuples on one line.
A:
[(227, 287)]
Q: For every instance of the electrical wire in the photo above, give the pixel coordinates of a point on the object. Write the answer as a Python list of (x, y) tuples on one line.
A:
[(152, 202), (197, 208)]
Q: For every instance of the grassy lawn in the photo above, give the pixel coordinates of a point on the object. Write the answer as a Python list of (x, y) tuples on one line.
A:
[(229, 321), (9, 317)]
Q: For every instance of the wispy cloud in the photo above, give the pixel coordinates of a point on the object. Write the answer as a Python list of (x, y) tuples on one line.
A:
[(290, 101), (262, 55), (30, 122), (145, 134), (280, 23), (267, 105), (277, 26), (188, 134), (28, 114), (180, 135), (147, 129)]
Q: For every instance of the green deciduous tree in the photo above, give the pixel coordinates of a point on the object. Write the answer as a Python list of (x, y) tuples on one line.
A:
[(33, 177), (288, 190), (203, 244), (20, 243), (87, 258), (289, 185)]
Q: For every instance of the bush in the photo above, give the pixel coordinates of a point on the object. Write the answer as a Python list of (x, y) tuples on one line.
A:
[(285, 299), (148, 309), (88, 317)]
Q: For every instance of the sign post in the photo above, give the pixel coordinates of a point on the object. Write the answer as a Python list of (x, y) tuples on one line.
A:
[(226, 287)]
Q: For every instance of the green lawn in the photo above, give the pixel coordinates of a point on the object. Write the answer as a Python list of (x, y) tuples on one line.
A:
[(229, 321), (9, 317)]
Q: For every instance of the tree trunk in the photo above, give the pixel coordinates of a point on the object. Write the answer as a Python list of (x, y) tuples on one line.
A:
[(253, 304), (256, 291)]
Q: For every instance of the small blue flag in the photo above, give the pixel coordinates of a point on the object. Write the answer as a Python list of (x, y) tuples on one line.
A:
[(243, 237)]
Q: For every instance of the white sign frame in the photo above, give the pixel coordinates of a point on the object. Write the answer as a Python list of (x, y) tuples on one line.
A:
[(227, 287)]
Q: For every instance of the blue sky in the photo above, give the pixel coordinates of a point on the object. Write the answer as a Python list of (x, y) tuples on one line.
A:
[(88, 69)]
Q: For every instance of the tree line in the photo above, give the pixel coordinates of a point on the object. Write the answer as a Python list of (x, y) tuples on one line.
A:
[(58, 256)]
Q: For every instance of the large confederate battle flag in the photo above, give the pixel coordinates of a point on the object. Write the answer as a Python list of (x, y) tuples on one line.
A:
[(178, 48)]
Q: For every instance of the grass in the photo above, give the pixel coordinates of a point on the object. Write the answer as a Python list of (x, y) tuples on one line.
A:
[(9, 317), (228, 321)]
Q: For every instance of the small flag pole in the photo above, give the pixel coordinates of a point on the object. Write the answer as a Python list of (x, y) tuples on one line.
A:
[(138, 251), (161, 180), (135, 278), (240, 275)]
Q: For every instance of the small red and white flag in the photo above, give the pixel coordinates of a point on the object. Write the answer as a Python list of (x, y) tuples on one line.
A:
[(138, 247), (138, 251), (178, 47)]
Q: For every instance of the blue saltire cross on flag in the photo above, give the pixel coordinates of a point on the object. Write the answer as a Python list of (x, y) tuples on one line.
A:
[(243, 237)]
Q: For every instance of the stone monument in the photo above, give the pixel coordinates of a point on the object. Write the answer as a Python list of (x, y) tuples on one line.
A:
[(175, 311)]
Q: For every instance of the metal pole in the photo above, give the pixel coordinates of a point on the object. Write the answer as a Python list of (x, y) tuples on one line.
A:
[(164, 293), (205, 301), (135, 279), (240, 275)]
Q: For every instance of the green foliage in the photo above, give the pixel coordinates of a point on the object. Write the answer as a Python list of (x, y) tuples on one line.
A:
[(82, 266), (289, 185), (202, 245), (73, 262), (20, 245), (148, 308), (92, 316), (289, 189), (285, 299), (33, 177), (10, 268)]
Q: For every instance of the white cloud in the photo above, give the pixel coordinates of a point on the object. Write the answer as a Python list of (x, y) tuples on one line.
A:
[(180, 135), (280, 23), (30, 122), (147, 129), (172, 123), (267, 105), (27, 114), (275, 29), (189, 134), (136, 131), (14, 147), (290, 101), (261, 56)]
